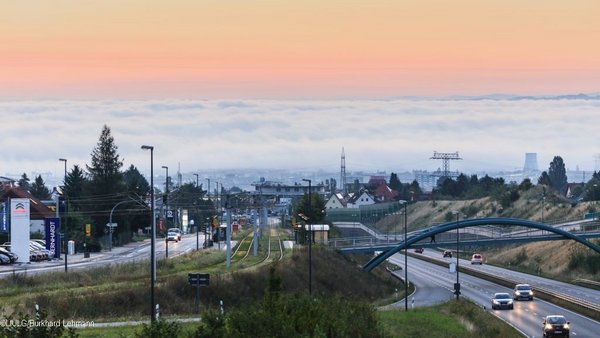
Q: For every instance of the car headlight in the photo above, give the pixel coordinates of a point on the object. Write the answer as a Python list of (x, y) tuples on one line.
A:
[(566, 326), (548, 327), (518, 293), (531, 293), (495, 301), (510, 301)]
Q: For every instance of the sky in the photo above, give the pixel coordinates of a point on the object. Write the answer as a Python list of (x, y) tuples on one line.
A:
[(237, 83)]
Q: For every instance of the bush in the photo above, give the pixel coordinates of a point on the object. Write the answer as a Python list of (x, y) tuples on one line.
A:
[(159, 329), (298, 315), (23, 326), (578, 259)]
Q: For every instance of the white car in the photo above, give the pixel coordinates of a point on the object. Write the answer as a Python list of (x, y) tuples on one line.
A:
[(177, 232), (477, 259)]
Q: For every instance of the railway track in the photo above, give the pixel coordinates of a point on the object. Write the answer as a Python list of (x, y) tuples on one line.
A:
[(274, 251)]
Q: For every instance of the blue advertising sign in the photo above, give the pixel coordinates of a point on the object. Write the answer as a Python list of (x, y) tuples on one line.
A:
[(52, 227), (4, 217)]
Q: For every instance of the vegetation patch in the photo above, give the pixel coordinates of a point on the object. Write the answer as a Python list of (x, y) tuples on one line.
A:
[(459, 319)]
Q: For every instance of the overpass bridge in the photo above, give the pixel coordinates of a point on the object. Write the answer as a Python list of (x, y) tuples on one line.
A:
[(472, 232)]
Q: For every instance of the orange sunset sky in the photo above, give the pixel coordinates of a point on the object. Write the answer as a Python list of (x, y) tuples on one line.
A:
[(297, 49)]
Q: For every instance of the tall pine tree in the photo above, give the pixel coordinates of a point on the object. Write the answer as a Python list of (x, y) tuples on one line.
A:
[(106, 186), (39, 189), (24, 182)]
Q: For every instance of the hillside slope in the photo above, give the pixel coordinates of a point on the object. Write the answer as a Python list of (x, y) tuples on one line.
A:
[(548, 258)]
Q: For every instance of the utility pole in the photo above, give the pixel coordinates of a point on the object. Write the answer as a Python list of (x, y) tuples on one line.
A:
[(310, 239)]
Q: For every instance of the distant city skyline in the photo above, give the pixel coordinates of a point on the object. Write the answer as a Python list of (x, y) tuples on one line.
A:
[(302, 135)]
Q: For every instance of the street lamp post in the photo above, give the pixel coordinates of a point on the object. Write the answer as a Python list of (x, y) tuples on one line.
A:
[(166, 203), (309, 235), (457, 285), (153, 235), (110, 226), (405, 255), (65, 217), (197, 235), (208, 189)]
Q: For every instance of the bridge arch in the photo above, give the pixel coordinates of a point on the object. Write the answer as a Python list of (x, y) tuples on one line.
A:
[(467, 223)]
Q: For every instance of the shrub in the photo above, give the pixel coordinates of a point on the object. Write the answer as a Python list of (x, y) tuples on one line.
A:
[(158, 329), (23, 326)]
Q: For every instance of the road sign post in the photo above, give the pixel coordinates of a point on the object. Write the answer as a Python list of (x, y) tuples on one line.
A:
[(198, 280)]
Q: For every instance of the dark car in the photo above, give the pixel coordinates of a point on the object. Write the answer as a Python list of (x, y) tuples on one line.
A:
[(522, 291), (4, 259), (555, 326), (448, 253), (419, 250), (12, 257), (502, 300)]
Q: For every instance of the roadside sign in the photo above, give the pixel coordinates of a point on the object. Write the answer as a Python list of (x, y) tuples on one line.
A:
[(199, 279), (110, 225)]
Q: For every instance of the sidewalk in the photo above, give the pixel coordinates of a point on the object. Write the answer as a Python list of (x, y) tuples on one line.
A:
[(116, 251)]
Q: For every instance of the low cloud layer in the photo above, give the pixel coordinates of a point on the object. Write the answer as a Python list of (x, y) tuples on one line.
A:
[(392, 135)]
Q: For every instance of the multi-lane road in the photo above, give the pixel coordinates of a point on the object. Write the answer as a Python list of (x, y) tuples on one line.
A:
[(435, 284)]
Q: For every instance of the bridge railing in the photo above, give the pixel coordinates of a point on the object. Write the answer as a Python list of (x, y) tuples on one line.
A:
[(472, 234)]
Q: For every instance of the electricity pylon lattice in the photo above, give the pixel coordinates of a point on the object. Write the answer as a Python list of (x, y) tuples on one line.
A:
[(446, 158)]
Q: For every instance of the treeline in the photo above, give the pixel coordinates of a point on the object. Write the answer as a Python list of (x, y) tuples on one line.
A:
[(102, 189)]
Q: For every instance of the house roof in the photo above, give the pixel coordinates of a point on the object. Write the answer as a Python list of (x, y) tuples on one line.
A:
[(384, 193), (377, 180), (37, 209), (355, 197), (340, 198)]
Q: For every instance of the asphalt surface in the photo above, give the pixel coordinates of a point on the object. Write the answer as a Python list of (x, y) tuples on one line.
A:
[(526, 317), (132, 252)]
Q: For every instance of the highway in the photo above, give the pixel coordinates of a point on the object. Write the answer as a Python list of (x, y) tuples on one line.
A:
[(436, 284)]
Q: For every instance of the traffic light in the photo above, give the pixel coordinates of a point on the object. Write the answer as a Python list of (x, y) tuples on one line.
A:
[(62, 204)]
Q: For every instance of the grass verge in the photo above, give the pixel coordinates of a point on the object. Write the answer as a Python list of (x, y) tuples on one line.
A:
[(458, 319)]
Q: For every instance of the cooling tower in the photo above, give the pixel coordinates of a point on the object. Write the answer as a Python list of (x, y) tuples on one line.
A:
[(530, 162)]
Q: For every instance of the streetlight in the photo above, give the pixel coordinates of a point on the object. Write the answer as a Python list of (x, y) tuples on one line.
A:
[(309, 235), (457, 285), (166, 203), (65, 217), (208, 189), (110, 226), (166, 198), (153, 236), (405, 254)]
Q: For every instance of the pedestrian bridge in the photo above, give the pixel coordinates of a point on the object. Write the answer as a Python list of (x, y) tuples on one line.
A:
[(471, 232)]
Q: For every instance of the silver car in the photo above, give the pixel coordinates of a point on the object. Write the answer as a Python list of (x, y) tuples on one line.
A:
[(522, 291), (502, 300)]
